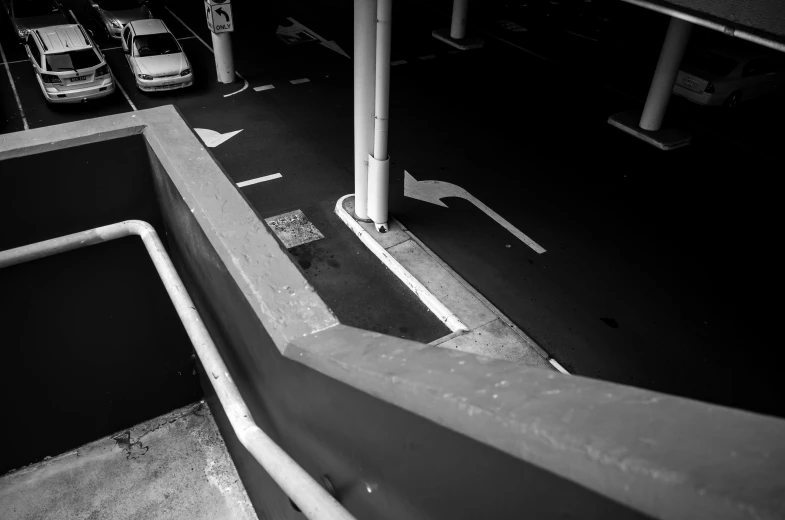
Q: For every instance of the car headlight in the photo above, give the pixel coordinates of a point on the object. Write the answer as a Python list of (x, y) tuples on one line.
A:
[(145, 76), (185, 72)]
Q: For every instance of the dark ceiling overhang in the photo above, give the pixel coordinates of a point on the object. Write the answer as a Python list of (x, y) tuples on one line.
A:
[(759, 21)]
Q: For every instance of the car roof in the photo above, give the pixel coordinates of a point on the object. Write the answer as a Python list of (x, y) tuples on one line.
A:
[(60, 38), (153, 26)]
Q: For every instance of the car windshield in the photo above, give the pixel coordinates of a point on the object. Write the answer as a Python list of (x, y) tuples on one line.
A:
[(71, 60), (25, 8), (155, 44), (118, 5), (714, 63)]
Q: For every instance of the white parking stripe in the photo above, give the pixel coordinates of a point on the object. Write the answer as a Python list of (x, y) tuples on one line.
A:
[(264, 87), (17, 61), (258, 180), (13, 87), (298, 81), (189, 29), (125, 95), (245, 85), (398, 62), (428, 57), (557, 366)]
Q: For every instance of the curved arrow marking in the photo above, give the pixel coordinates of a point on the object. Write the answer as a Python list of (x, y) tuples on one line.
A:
[(223, 13), (434, 191), (211, 138)]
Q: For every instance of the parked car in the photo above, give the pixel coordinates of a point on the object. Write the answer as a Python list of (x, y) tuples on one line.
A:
[(155, 57), (68, 66), (110, 16), (726, 76), (26, 15)]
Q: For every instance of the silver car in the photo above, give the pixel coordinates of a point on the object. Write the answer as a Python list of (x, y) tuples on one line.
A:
[(26, 15), (110, 16)]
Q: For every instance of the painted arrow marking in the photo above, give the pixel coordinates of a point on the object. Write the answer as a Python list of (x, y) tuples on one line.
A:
[(211, 138), (434, 191), (297, 27)]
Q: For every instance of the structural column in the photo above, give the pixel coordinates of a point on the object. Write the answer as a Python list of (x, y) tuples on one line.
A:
[(458, 24), (665, 74), (364, 87), (224, 61), (379, 162)]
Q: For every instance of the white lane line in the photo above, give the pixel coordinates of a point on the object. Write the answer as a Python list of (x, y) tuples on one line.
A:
[(184, 38), (398, 62), (110, 48), (13, 87), (125, 94), (264, 87), (301, 80), (557, 366), (245, 85), (258, 180), (17, 61), (73, 17), (428, 57), (245, 82), (189, 29)]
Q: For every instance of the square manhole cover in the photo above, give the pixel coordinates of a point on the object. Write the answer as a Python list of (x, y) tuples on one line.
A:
[(293, 229)]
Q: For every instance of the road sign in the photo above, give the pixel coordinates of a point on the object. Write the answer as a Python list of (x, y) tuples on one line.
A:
[(219, 16)]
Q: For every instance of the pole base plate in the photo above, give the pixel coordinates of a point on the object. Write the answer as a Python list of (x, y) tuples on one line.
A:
[(664, 138), (464, 44)]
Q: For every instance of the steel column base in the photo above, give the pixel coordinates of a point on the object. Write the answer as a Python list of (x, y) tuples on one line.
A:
[(664, 138), (463, 44)]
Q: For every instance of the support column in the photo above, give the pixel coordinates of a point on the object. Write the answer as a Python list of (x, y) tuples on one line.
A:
[(647, 125), (456, 34), (665, 74), (458, 24), (379, 163), (364, 87), (224, 61)]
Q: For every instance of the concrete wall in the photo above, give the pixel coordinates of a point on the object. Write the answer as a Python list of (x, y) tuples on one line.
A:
[(403, 430)]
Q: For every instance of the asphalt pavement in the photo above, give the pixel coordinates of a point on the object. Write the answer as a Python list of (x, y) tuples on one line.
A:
[(657, 266)]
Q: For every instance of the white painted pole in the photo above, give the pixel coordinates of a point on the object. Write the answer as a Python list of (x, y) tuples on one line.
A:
[(224, 61), (458, 24), (665, 74), (364, 86), (379, 163)]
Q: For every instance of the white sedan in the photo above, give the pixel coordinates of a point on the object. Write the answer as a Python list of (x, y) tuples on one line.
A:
[(726, 76), (155, 57)]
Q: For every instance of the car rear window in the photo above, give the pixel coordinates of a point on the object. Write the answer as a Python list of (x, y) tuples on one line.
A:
[(66, 61), (714, 63), (155, 44), (25, 8)]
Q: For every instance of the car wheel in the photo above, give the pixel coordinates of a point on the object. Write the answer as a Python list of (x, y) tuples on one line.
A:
[(733, 100)]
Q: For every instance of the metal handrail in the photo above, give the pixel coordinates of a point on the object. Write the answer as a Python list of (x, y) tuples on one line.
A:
[(311, 498)]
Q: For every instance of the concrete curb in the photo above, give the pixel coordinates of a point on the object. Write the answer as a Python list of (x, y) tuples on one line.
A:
[(484, 330), (443, 313)]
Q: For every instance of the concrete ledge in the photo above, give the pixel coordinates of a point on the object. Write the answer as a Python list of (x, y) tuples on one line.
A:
[(464, 44), (664, 139), (661, 455)]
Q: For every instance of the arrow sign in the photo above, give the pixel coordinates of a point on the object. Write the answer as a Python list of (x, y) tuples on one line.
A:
[(434, 191), (223, 13), (298, 27), (211, 138)]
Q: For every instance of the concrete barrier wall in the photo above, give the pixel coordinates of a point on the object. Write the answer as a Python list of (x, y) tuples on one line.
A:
[(407, 431)]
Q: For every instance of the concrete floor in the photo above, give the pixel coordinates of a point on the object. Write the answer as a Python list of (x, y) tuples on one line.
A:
[(175, 467)]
